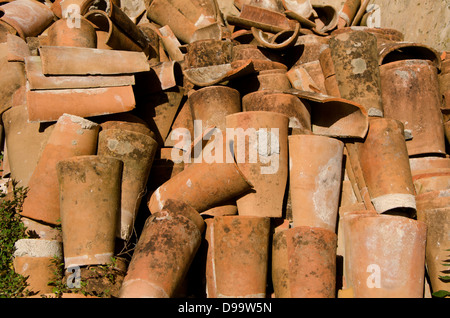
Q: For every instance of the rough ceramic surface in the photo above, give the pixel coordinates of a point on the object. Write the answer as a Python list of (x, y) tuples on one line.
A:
[(354, 56), (13, 79), (61, 33), (438, 243), (385, 166), (80, 61), (109, 34), (315, 178), (19, 132), (304, 263), (240, 242), (159, 68), (202, 185), (89, 191), (49, 105), (212, 104), (37, 80), (137, 152), (377, 262), (71, 136), (164, 252), (403, 79), (263, 159), (299, 113), (29, 18)]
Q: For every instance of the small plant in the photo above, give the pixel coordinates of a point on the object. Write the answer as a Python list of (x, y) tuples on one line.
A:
[(93, 280), (103, 280), (59, 281), (12, 284), (444, 278)]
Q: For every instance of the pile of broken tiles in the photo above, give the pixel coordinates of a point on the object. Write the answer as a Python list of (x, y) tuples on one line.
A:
[(331, 180)]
